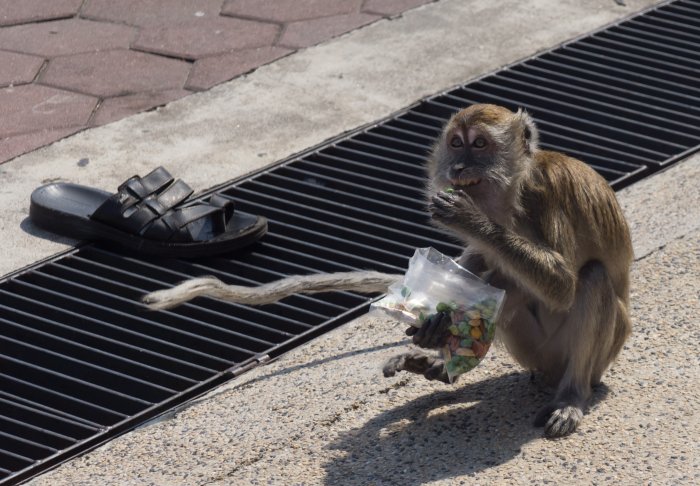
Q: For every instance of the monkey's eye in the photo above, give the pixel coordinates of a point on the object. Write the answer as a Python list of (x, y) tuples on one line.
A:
[(479, 142), (456, 142)]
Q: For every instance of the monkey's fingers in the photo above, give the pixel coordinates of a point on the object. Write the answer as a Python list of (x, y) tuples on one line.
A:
[(411, 331), (442, 200), (433, 332), (443, 207)]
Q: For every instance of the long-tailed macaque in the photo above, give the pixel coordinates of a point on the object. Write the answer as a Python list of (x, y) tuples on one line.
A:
[(543, 226)]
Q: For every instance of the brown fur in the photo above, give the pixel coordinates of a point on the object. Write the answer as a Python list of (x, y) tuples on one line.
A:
[(561, 248)]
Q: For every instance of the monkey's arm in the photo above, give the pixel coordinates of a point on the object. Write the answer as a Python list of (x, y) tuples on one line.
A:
[(362, 282), (545, 272), (473, 262)]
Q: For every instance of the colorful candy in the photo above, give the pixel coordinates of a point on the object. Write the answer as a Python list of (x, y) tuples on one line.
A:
[(434, 283), (471, 333)]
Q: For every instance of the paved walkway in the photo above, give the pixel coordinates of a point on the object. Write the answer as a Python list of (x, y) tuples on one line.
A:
[(67, 65)]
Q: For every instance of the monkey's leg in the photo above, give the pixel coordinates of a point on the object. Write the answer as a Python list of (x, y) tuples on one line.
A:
[(586, 337), (431, 367), (623, 328)]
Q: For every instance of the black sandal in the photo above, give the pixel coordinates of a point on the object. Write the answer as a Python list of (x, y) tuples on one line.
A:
[(150, 215)]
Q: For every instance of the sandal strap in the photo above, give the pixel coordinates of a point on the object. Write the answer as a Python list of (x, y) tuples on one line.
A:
[(156, 207), (134, 216), (142, 187), (227, 207), (138, 218), (132, 191), (173, 225)]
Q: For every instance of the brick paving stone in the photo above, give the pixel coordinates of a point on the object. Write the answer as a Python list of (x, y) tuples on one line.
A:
[(16, 145), (309, 32), (63, 37), (289, 10), (211, 71), (203, 37), (92, 55), (113, 109), (392, 7), (30, 108), (144, 13), (115, 73), (23, 11), (18, 68)]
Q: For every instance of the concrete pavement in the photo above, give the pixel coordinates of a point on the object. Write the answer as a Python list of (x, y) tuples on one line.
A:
[(323, 414)]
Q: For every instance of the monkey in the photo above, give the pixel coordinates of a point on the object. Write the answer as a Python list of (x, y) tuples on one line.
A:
[(541, 225)]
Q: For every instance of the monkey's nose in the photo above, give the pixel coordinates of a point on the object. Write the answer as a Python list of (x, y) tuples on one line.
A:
[(457, 170)]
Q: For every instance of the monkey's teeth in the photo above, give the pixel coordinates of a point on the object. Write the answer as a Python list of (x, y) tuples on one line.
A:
[(467, 182)]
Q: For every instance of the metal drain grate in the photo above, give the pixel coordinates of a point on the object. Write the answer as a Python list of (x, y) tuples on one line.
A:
[(81, 361)]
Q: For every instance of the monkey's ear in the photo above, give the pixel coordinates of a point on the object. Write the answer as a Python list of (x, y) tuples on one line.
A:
[(527, 130)]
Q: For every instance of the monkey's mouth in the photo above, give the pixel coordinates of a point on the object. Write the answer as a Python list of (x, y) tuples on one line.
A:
[(464, 183)]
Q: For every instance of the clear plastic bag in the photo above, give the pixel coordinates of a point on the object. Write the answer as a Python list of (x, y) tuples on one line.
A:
[(436, 283)]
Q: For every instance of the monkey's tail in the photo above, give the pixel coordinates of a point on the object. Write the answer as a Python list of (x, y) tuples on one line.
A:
[(363, 282)]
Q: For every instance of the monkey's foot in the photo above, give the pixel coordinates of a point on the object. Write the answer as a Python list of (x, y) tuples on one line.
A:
[(558, 419), (430, 367)]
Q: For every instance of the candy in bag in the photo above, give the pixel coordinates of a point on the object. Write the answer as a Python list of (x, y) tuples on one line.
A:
[(436, 283)]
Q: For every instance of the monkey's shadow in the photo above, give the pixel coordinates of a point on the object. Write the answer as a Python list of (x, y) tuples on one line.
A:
[(443, 435)]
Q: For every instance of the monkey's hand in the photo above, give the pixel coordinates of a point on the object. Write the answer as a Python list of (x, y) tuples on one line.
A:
[(456, 209), (433, 334)]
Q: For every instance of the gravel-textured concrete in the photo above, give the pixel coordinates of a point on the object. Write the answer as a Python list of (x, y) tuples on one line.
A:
[(658, 209)]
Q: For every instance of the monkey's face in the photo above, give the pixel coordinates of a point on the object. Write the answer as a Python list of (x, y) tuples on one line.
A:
[(482, 151)]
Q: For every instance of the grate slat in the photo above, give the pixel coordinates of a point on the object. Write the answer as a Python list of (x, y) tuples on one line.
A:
[(113, 362), (679, 18), (452, 102), (22, 429), (645, 46), (59, 430), (635, 67), (118, 287), (168, 272), (93, 412), (80, 369), (396, 178), (632, 95), (641, 27), (360, 153), (71, 320), (50, 379), (328, 221), (168, 330), (591, 98), (605, 123), (82, 360), (26, 447), (270, 182)]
